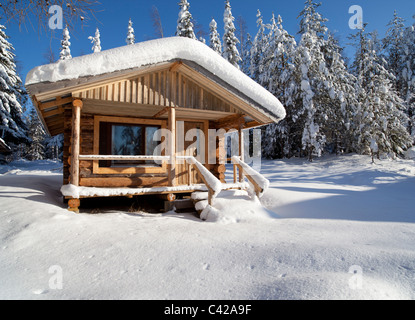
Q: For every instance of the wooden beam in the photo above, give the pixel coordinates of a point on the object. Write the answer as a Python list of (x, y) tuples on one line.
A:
[(161, 112), (176, 66), (76, 138), (58, 102), (53, 112), (232, 121)]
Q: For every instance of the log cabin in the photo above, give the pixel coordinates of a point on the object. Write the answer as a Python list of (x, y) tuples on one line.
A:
[(109, 106)]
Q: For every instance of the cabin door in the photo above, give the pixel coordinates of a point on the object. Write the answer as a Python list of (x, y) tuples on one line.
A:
[(190, 141)]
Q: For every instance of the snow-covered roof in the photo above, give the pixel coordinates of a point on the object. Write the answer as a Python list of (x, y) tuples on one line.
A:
[(155, 52)]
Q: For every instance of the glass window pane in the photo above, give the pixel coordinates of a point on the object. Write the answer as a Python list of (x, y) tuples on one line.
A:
[(152, 140), (127, 140)]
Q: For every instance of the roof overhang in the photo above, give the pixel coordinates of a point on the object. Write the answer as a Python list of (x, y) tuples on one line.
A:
[(51, 86)]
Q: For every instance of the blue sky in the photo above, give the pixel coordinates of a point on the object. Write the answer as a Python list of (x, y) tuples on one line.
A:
[(30, 46)]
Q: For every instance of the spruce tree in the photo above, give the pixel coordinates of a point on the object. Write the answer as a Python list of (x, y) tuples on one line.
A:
[(214, 42), (230, 50), (408, 77), (257, 49), (65, 45), (380, 116), (96, 41), (130, 33), (311, 76), (36, 149), (12, 127), (246, 57), (185, 26)]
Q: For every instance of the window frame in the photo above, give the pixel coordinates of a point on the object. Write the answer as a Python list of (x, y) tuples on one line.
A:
[(97, 169)]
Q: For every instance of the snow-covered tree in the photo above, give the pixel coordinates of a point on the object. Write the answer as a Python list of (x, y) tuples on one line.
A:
[(65, 45), (130, 33), (53, 147), (12, 126), (246, 56), (380, 116), (36, 149), (311, 76), (257, 49), (230, 50), (277, 75), (185, 26), (343, 100), (408, 76), (393, 44), (96, 41), (214, 41)]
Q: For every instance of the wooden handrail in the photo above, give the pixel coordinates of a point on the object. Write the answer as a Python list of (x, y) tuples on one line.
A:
[(212, 183), (119, 157), (259, 182)]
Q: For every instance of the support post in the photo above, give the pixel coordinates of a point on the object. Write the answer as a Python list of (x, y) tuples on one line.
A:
[(241, 152), (172, 147), (76, 138)]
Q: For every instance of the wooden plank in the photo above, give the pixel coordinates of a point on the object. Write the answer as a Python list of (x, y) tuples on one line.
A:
[(140, 90), (161, 112), (146, 89), (123, 182), (134, 91), (58, 102)]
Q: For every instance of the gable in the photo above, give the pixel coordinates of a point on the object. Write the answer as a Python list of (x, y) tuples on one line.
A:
[(145, 93), (149, 76)]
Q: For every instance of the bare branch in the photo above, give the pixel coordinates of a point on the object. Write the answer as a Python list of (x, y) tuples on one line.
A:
[(36, 12)]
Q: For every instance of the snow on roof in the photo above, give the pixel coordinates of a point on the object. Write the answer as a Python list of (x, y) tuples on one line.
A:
[(154, 52)]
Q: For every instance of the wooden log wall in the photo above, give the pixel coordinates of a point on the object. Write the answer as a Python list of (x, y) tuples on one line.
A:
[(87, 177), (162, 88)]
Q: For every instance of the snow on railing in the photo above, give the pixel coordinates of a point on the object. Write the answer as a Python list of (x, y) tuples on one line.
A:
[(121, 157), (212, 183), (258, 181)]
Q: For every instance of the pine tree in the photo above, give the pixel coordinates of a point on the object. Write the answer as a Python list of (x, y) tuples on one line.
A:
[(53, 147), (65, 45), (408, 76), (230, 50), (257, 49), (393, 45), (214, 42), (185, 26), (312, 76), (12, 126), (36, 149), (278, 75), (96, 41), (246, 57), (380, 116), (342, 100), (130, 33)]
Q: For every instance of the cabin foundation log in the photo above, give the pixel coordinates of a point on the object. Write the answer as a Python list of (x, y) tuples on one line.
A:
[(73, 205)]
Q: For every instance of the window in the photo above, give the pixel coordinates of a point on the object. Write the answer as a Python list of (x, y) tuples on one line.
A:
[(127, 140), (127, 137)]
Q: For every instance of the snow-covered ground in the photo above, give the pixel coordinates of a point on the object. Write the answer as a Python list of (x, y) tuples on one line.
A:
[(338, 228)]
